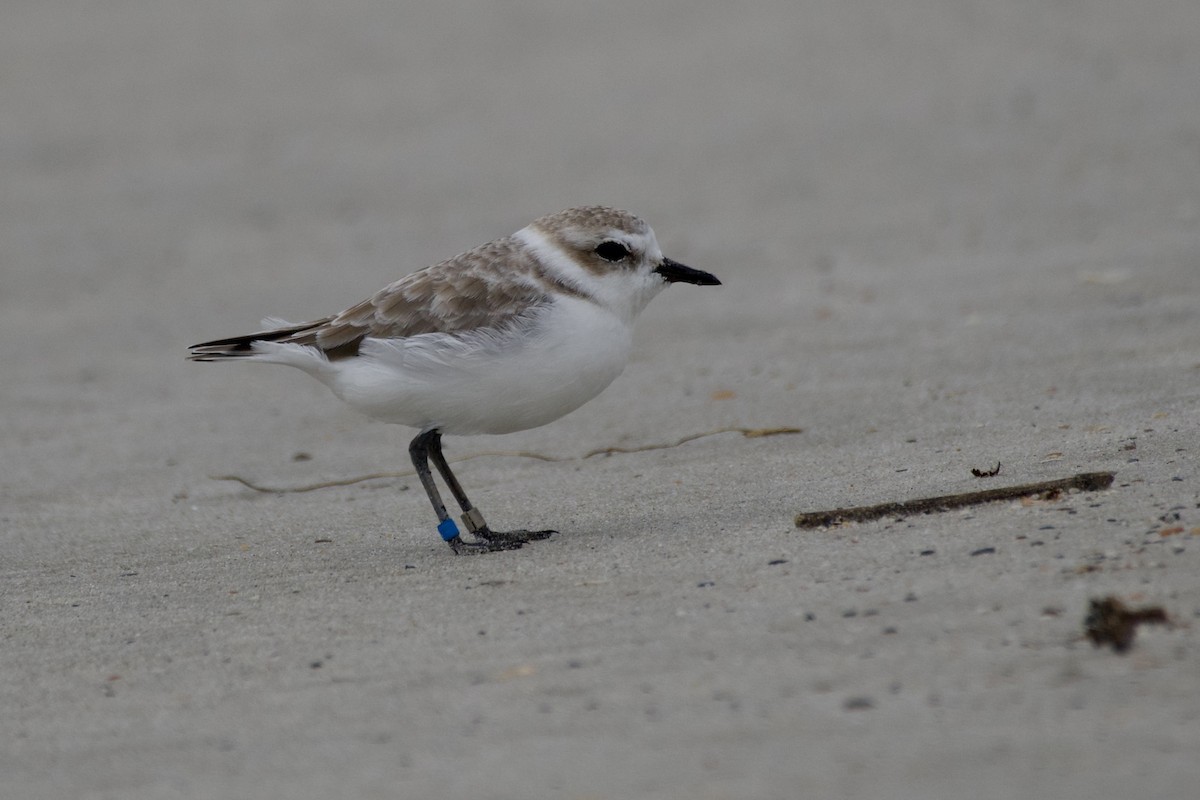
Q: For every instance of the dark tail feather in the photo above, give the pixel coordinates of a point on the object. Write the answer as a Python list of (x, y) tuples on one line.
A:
[(243, 346)]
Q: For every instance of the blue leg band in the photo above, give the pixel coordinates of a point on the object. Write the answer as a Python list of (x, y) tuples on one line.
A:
[(448, 529)]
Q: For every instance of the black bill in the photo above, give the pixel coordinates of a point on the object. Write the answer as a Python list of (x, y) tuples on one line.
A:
[(674, 272)]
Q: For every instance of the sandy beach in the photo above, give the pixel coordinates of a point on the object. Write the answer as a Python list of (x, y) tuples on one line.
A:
[(951, 236)]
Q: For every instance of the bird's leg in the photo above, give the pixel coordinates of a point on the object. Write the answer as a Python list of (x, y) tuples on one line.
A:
[(472, 517), (419, 450)]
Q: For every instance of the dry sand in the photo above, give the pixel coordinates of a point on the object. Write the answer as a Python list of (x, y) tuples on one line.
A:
[(951, 234)]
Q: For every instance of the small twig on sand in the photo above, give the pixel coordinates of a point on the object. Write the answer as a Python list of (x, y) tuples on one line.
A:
[(749, 433), (249, 484), (1084, 482)]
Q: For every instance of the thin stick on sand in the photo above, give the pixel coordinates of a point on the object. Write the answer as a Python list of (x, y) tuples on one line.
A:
[(1084, 482)]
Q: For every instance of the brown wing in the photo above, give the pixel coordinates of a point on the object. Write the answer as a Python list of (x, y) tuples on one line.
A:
[(473, 290)]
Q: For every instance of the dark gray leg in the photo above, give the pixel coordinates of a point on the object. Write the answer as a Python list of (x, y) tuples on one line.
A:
[(472, 517), (418, 451), (428, 445)]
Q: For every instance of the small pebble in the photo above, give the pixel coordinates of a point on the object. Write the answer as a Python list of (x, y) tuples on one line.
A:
[(861, 703)]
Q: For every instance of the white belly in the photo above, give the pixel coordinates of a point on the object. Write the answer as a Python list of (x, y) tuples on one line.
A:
[(574, 352)]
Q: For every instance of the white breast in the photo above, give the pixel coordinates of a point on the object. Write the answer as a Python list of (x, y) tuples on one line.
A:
[(488, 384)]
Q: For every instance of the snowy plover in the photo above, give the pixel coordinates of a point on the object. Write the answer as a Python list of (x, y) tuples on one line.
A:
[(505, 337)]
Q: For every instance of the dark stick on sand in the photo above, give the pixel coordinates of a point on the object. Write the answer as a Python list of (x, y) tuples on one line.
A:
[(1084, 482)]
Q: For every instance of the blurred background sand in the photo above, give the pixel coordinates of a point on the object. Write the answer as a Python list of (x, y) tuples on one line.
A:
[(951, 234)]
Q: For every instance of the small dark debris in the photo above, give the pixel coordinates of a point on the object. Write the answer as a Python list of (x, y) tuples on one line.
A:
[(705, 584), (322, 541), (986, 473), (850, 612), (810, 616), (928, 552), (983, 551), (774, 562), (1109, 621), (317, 664), (862, 703), (911, 597), (302, 456)]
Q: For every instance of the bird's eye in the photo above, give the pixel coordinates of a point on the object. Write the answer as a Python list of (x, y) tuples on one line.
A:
[(612, 251)]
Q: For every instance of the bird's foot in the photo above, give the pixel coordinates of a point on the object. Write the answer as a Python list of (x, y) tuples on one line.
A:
[(463, 548), (512, 538), (490, 541)]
